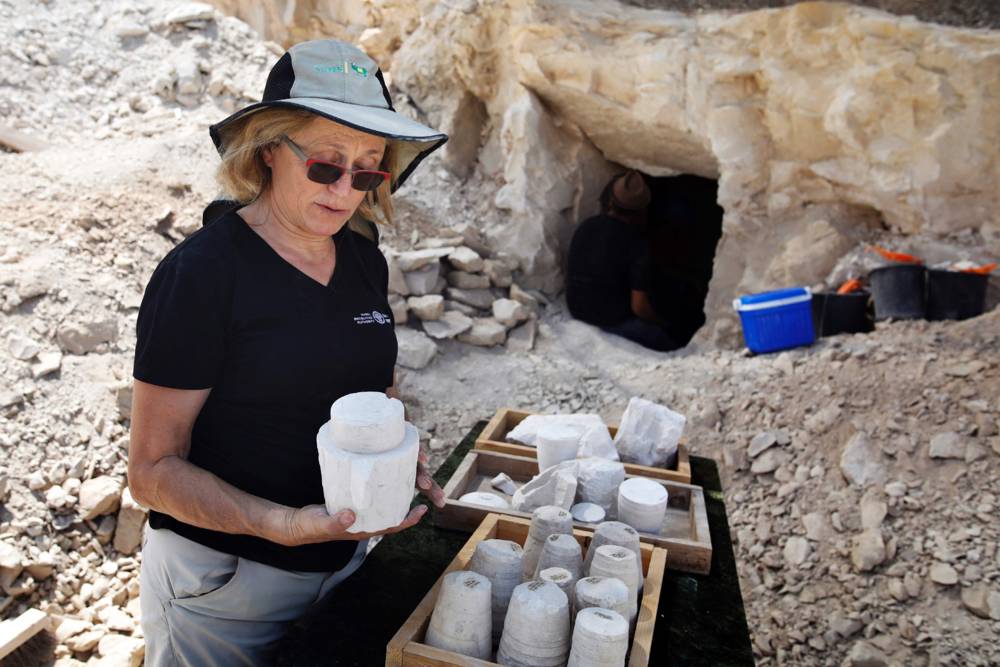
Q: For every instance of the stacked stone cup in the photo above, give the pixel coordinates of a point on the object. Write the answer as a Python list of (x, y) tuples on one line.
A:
[(367, 445), (600, 639), (462, 621), (561, 577), (612, 532), (536, 629), (606, 592), (546, 520), (642, 504), (561, 550), (621, 563), (500, 562)]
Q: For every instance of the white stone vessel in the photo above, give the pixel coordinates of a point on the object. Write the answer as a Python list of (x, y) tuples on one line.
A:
[(545, 521), (368, 460), (642, 504), (600, 639), (607, 592), (500, 562), (462, 620), (536, 630), (561, 550), (621, 563)]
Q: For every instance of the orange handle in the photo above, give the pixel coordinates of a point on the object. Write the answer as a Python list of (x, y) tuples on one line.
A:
[(895, 256), (984, 270), (852, 285)]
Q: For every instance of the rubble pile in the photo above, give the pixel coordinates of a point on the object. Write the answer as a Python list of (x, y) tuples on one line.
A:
[(451, 291), (860, 475)]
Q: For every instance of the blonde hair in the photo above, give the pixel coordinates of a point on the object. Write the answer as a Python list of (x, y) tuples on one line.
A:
[(245, 176)]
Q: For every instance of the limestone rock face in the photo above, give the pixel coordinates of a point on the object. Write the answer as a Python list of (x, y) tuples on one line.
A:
[(817, 119)]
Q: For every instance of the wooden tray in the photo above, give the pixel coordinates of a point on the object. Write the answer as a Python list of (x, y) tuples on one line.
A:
[(406, 649), (685, 537), (492, 439)]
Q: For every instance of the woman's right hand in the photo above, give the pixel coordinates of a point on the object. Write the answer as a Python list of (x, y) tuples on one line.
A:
[(312, 524)]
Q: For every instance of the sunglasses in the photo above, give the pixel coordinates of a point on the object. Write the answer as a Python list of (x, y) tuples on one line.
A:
[(328, 173)]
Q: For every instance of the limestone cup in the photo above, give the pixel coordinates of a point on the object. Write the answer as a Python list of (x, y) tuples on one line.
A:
[(621, 563), (500, 562), (462, 620), (600, 639), (607, 592), (367, 422), (536, 629), (642, 504), (368, 460)]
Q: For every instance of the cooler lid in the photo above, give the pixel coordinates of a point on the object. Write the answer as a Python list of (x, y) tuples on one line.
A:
[(773, 299)]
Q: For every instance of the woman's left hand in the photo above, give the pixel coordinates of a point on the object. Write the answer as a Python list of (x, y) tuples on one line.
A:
[(426, 483)]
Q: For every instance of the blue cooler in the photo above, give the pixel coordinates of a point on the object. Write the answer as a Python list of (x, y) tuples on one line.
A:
[(777, 320)]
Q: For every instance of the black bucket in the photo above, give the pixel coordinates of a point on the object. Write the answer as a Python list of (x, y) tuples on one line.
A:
[(898, 291), (955, 295), (841, 313)]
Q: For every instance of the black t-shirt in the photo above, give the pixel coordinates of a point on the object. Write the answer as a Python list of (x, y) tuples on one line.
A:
[(607, 260), (224, 310)]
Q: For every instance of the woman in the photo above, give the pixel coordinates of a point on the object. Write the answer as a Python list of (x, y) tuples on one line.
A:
[(247, 333)]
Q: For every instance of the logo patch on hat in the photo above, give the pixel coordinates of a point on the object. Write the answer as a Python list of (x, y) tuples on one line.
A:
[(358, 69)]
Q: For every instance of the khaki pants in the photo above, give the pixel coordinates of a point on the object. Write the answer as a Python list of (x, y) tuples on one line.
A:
[(202, 607)]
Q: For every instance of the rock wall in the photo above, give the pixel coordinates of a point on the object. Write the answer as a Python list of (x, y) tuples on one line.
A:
[(822, 122)]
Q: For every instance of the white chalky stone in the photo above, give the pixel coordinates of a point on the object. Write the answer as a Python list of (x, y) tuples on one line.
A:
[(587, 512), (367, 422), (555, 486), (556, 443), (503, 482), (485, 499), (598, 481), (649, 433), (377, 487), (595, 440)]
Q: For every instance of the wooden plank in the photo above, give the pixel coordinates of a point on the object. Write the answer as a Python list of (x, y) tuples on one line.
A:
[(688, 542), (422, 655), (14, 632), (416, 624), (19, 141), (492, 439), (406, 650), (645, 624)]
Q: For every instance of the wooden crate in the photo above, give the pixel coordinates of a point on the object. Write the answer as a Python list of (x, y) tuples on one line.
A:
[(686, 535), (406, 649), (492, 439)]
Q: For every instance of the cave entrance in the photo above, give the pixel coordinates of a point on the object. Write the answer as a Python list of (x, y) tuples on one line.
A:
[(684, 228)]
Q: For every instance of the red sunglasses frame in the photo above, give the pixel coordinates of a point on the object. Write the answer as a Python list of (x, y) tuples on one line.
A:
[(343, 170)]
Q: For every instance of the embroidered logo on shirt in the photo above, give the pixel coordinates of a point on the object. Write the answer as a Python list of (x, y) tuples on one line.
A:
[(374, 317)]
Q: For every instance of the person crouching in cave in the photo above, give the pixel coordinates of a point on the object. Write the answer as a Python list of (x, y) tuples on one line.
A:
[(607, 282)]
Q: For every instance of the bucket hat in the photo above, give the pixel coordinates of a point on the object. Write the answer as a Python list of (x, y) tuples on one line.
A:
[(338, 81), (630, 192)]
